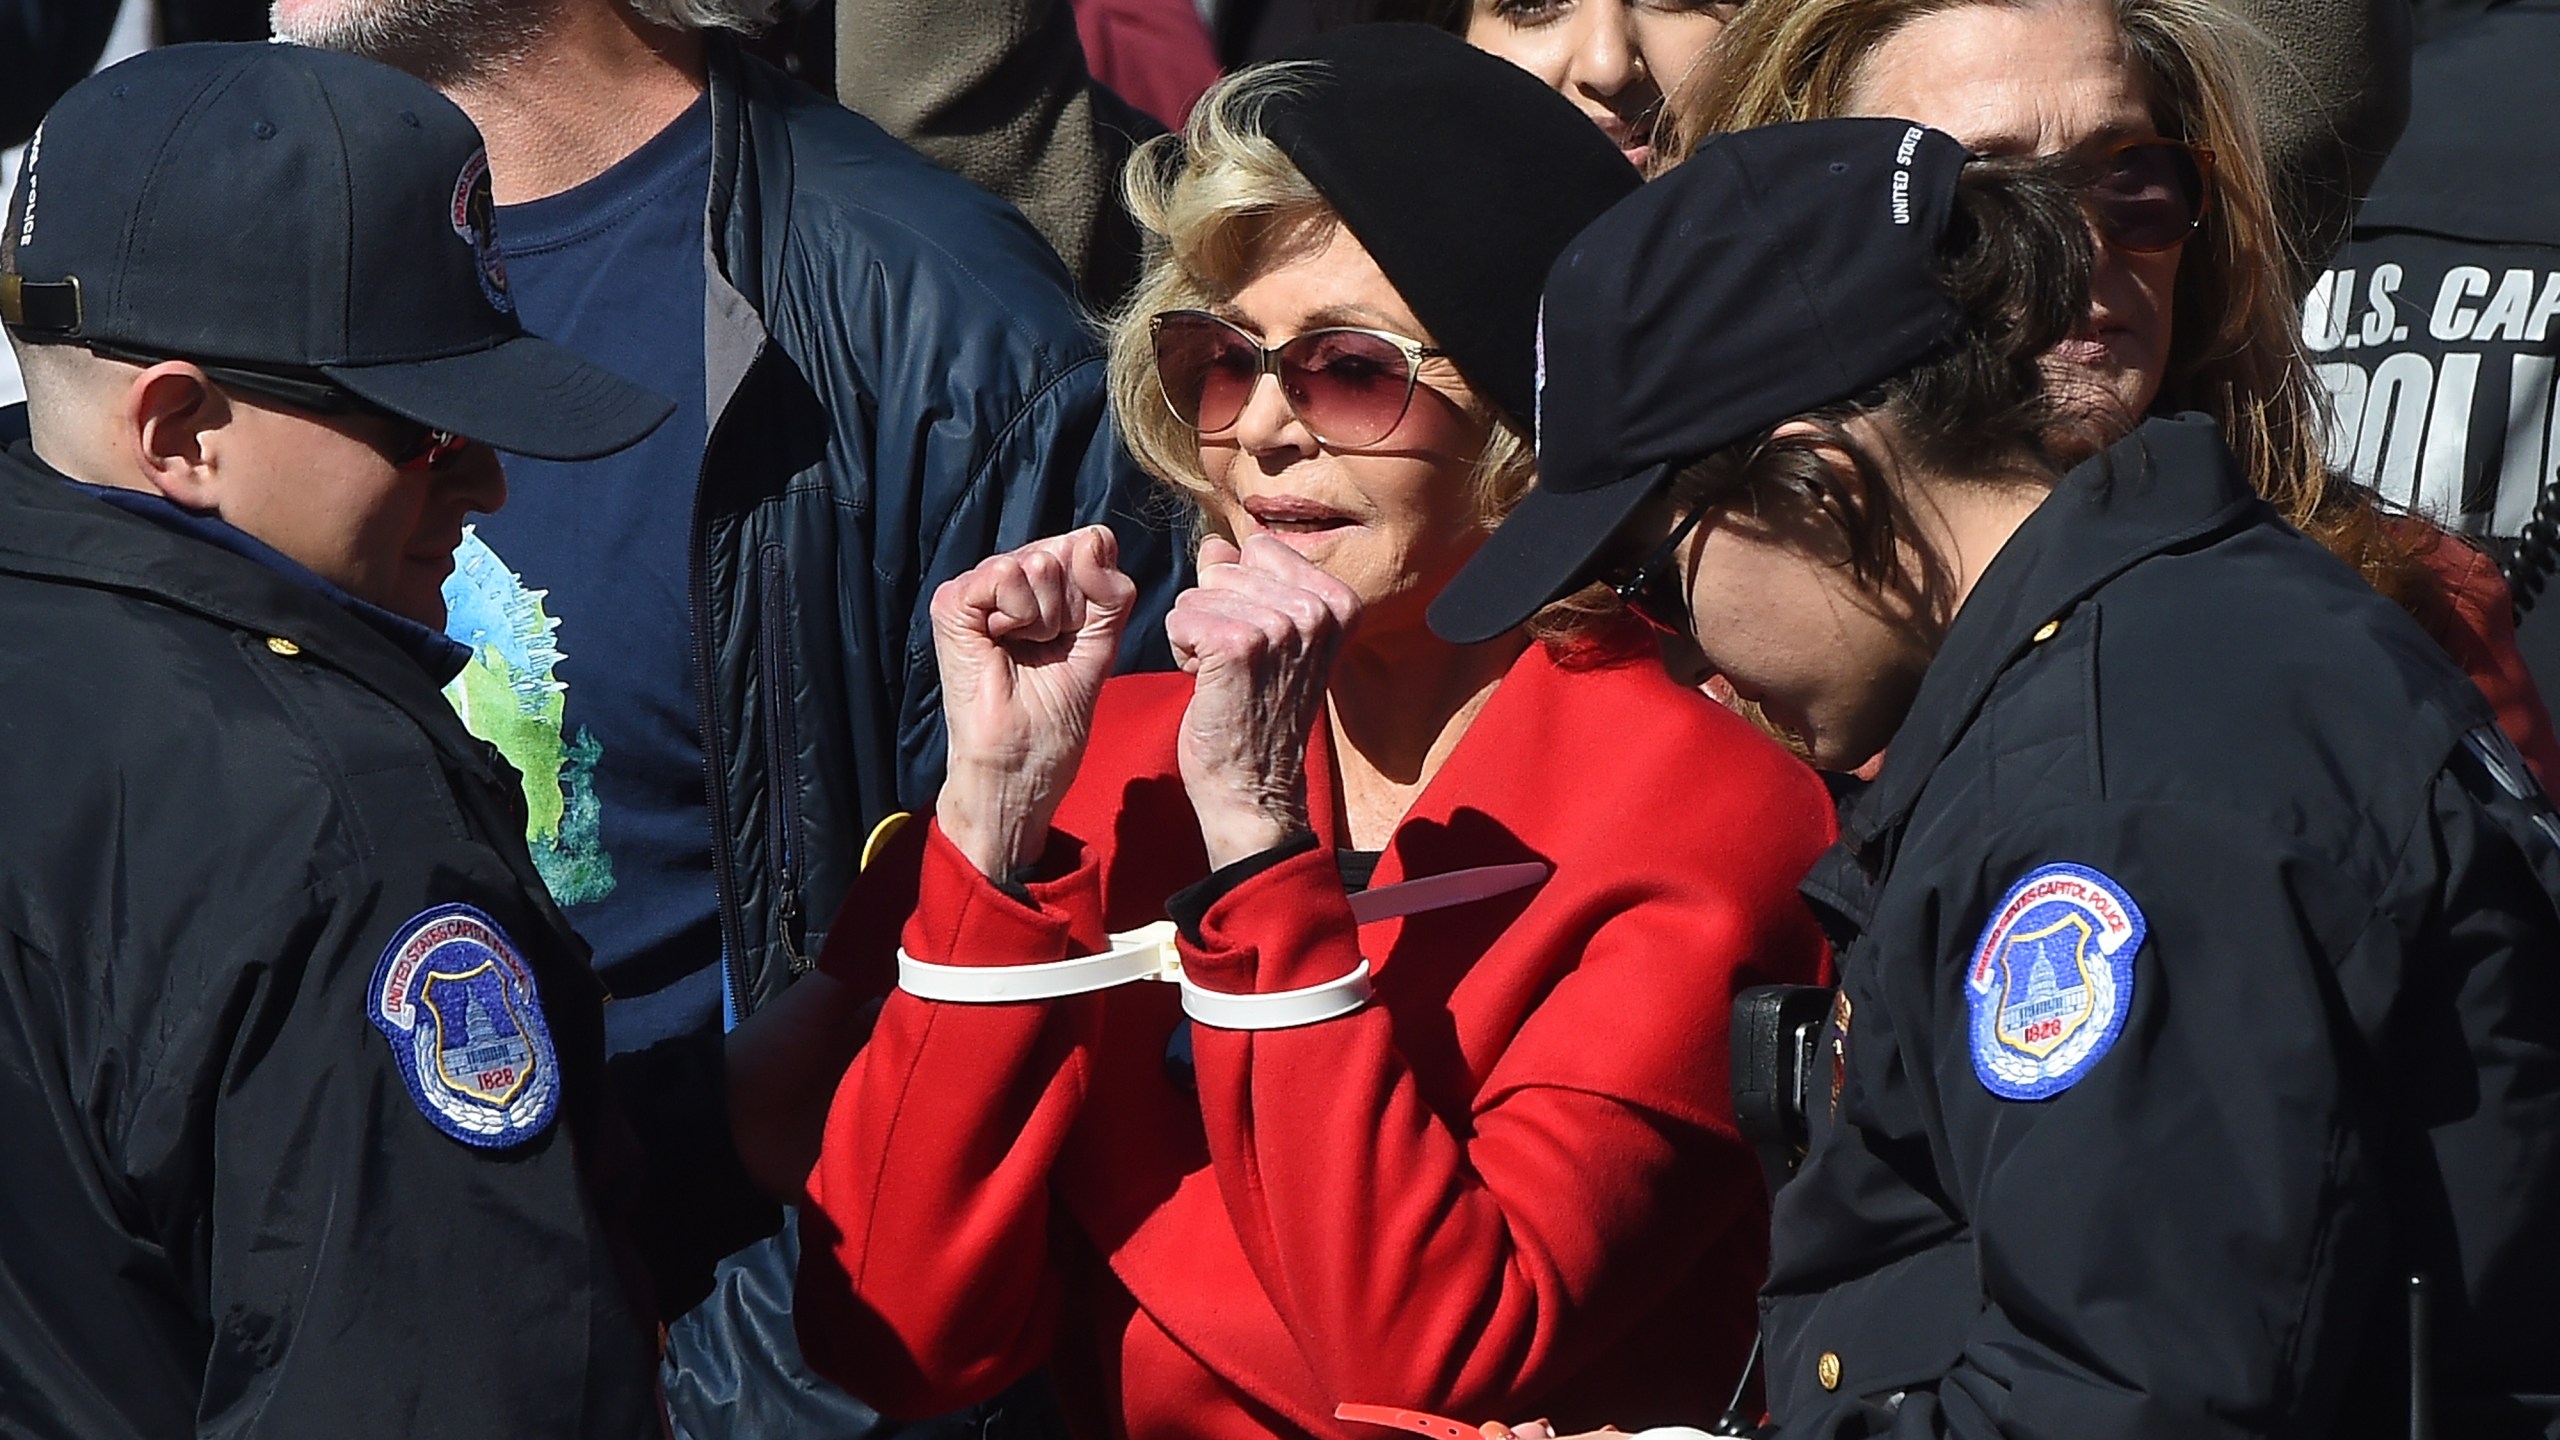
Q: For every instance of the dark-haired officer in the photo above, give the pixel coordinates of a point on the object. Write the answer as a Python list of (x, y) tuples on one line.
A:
[(2196, 939), (308, 1122)]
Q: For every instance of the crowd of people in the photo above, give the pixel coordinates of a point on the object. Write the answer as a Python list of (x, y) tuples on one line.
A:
[(1540, 718)]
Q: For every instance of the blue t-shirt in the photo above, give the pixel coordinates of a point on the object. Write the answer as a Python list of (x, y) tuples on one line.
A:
[(575, 598)]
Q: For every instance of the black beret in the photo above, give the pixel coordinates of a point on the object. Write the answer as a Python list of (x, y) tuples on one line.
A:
[(1463, 176)]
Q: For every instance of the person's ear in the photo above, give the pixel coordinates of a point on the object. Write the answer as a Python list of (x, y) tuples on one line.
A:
[(1823, 444), (173, 419)]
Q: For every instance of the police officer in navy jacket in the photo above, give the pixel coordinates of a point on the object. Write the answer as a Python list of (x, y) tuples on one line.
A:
[(302, 1075), (2433, 329), (2197, 1001)]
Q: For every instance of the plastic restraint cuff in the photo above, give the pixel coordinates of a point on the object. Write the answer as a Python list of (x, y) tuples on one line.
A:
[(1147, 953)]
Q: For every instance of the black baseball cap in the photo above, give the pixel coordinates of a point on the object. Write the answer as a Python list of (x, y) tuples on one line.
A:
[(1777, 271), (276, 208)]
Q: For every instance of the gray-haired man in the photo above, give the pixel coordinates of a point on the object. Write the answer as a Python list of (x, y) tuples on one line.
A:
[(709, 655)]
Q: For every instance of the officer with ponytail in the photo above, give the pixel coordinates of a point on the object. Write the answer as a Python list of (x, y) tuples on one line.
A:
[(2195, 939)]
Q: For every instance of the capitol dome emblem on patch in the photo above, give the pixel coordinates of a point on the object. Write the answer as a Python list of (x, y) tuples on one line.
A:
[(2051, 980), (457, 1002), (475, 219)]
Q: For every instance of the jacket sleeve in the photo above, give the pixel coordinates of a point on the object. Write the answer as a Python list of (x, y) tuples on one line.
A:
[(2184, 1240), (356, 1259), (693, 1203), (997, 91), (1058, 465), (1471, 1263), (925, 1277)]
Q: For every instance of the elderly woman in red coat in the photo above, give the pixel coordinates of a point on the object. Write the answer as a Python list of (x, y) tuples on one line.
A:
[(1433, 1112)]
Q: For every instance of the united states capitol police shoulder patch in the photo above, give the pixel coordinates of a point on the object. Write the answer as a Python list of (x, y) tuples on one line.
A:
[(458, 1005), (2051, 980)]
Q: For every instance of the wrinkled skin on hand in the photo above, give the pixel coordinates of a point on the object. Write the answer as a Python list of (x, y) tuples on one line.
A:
[(1024, 641), (1258, 636)]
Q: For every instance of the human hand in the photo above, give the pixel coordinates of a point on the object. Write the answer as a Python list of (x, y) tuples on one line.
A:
[(1024, 641), (1257, 635)]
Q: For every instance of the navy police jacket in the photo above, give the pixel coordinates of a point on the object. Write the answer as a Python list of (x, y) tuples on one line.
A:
[(2200, 987), (308, 1125)]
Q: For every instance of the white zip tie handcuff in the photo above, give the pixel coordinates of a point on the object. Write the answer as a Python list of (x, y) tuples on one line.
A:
[(1146, 953), (1152, 952)]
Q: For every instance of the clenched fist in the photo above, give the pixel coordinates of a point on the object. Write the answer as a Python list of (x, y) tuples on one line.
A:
[(1258, 636), (1024, 642)]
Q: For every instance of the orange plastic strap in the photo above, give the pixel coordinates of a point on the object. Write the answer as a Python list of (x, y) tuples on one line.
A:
[(1417, 1422)]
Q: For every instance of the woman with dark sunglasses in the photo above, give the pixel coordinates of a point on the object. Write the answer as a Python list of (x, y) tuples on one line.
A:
[(2193, 302), (1435, 1115), (2195, 939)]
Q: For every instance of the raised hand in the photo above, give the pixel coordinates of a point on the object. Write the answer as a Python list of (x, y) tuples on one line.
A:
[(1258, 636), (1024, 642)]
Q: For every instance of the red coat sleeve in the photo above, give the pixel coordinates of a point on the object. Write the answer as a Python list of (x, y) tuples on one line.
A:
[(1470, 1264), (2480, 634), (939, 1146)]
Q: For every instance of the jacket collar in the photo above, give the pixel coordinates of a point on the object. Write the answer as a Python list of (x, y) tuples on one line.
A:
[(51, 530), (754, 171), (437, 654), (2169, 484), (730, 228), (736, 222)]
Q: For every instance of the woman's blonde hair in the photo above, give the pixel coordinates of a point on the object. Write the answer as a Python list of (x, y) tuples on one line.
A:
[(1218, 204), (2235, 351)]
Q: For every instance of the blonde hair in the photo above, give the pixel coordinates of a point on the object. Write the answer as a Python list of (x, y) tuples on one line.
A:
[(1219, 204), (2235, 352)]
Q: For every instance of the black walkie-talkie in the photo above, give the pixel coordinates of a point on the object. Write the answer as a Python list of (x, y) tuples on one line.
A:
[(1776, 1041)]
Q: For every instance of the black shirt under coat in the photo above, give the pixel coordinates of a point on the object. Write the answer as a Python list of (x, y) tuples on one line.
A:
[(221, 793), (2341, 1060)]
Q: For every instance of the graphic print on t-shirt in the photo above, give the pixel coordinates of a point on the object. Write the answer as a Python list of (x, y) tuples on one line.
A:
[(508, 695), (584, 588)]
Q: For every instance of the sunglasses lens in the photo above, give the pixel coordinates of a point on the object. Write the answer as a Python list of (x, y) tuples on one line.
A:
[(1206, 367), (1350, 388), (2151, 197), (1655, 591), (433, 450)]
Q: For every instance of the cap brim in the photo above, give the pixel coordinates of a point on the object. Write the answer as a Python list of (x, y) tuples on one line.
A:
[(1545, 549), (524, 395)]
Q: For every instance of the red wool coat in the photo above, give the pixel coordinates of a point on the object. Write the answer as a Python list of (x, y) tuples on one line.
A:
[(1510, 1186)]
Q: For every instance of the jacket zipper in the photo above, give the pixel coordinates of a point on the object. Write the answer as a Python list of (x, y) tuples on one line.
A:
[(782, 750), (724, 869), (727, 127)]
